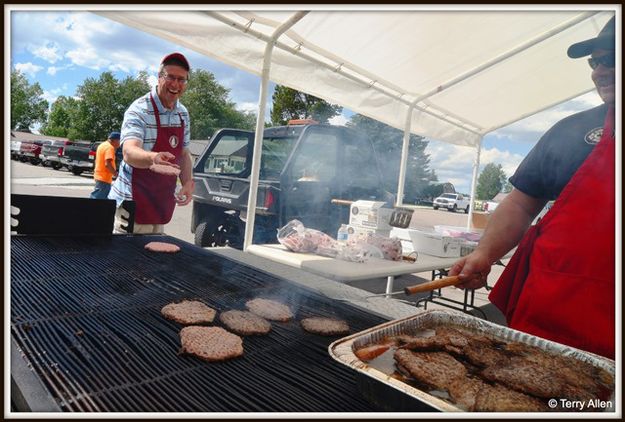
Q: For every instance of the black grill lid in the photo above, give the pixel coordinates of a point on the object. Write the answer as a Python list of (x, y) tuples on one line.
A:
[(85, 313)]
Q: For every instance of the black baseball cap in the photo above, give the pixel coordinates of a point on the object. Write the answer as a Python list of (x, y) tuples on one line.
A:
[(604, 41)]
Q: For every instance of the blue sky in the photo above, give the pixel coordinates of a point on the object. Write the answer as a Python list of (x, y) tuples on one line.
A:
[(59, 50)]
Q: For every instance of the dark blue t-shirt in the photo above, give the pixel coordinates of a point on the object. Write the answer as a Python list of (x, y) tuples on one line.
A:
[(558, 154)]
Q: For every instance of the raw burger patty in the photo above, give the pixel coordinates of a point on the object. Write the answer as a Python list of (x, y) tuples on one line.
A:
[(245, 323), (325, 326), (165, 169), (162, 247), (210, 343), (269, 309), (189, 312)]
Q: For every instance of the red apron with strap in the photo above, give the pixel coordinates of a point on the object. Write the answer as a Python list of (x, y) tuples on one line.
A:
[(152, 192), (560, 282)]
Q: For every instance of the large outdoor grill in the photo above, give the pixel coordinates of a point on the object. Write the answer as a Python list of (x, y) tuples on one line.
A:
[(86, 322)]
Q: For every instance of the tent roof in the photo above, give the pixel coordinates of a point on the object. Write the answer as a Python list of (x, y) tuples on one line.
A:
[(468, 72)]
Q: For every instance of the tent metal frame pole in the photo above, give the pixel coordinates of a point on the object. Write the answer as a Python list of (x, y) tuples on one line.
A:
[(476, 168), (399, 201), (260, 126)]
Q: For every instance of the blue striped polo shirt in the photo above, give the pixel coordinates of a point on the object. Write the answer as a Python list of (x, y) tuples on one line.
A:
[(140, 123)]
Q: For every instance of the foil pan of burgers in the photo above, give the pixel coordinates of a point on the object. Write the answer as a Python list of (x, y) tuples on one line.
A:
[(448, 361)]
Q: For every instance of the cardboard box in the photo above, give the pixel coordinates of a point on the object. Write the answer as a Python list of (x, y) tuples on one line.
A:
[(430, 242), (370, 215), (353, 231)]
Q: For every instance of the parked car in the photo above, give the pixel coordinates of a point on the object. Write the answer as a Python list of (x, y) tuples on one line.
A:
[(80, 156), (30, 150), (15, 149), (452, 202), (51, 153), (302, 168)]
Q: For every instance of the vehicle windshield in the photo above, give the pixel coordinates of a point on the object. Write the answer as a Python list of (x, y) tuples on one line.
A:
[(275, 153), (449, 195)]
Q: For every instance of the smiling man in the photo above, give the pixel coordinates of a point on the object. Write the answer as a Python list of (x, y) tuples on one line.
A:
[(154, 139), (560, 282)]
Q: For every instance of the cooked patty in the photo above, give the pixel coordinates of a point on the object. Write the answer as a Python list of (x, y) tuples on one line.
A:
[(162, 247), (325, 326), (464, 391), (527, 377), (189, 312), (436, 369), (269, 309), (210, 343), (498, 398), (245, 323)]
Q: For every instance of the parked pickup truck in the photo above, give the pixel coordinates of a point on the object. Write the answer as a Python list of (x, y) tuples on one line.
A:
[(51, 153), (80, 156), (303, 167), (453, 202), (30, 150)]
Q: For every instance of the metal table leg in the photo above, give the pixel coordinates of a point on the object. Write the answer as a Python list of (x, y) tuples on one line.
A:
[(389, 285)]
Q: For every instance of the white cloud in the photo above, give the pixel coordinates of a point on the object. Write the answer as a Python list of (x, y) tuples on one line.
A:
[(339, 120), (48, 52), (454, 163), (247, 107), (29, 68)]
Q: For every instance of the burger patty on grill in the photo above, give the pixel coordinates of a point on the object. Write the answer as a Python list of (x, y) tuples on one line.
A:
[(245, 323), (210, 343), (189, 312), (325, 326), (162, 247), (269, 309)]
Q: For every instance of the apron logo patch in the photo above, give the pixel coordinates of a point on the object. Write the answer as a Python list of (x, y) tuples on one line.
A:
[(593, 136), (173, 141)]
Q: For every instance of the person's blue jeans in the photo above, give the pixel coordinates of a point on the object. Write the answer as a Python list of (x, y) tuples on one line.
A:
[(101, 190)]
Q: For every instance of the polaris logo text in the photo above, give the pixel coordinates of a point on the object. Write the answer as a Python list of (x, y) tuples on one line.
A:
[(222, 199)]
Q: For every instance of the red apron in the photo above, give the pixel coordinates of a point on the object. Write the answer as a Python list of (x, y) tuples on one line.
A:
[(560, 282), (152, 192)]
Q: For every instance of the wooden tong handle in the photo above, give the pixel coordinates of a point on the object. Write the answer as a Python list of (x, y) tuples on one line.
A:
[(432, 285)]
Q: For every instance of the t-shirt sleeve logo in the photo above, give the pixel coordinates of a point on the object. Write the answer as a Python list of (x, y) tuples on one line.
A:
[(173, 141), (593, 136)]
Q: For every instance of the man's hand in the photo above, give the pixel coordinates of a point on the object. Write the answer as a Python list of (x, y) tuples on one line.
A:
[(186, 193), (472, 270)]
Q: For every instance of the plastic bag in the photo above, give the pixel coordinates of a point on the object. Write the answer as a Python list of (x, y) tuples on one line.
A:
[(297, 238), (362, 247)]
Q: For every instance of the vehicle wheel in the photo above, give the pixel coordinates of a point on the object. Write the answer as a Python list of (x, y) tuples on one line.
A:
[(466, 210), (435, 207), (76, 171), (35, 161), (57, 166), (454, 209), (210, 234)]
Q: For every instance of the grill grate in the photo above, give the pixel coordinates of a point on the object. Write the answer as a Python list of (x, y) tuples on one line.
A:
[(86, 315)]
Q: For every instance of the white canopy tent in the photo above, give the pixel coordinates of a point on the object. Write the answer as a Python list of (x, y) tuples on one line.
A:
[(452, 76)]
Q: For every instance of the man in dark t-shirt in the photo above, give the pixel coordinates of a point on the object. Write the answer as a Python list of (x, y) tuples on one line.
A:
[(560, 283)]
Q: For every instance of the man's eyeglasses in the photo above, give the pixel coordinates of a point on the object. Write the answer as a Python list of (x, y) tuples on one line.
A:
[(170, 78), (607, 61)]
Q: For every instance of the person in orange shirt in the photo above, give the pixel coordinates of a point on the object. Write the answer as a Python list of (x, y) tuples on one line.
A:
[(105, 168)]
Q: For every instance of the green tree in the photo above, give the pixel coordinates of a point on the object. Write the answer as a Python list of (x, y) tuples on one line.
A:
[(99, 110), (63, 114), (28, 106), (490, 182), (387, 142), (290, 104), (210, 107)]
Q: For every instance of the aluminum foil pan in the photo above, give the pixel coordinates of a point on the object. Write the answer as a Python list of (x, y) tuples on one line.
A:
[(342, 350)]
